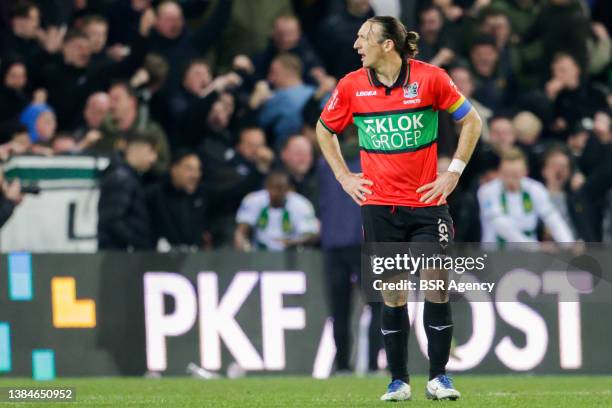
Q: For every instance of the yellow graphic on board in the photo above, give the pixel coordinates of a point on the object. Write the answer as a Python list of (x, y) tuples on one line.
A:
[(68, 312)]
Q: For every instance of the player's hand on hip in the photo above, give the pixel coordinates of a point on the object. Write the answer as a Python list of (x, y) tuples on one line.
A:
[(355, 185), (440, 188)]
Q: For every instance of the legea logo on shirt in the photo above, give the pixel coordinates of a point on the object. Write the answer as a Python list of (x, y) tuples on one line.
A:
[(365, 93)]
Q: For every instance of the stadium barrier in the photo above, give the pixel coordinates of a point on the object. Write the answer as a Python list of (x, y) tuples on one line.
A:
[(124, 314)]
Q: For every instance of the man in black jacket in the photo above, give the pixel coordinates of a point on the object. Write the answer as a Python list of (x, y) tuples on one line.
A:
[(178, 204), (123, 217), (74, 75)]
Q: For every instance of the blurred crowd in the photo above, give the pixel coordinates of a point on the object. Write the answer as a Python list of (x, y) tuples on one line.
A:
[(208, 108)]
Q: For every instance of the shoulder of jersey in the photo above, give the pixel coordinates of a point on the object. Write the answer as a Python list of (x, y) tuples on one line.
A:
[(353, 75), (533, 184), (260, 195), (294, 198), (489, 186)]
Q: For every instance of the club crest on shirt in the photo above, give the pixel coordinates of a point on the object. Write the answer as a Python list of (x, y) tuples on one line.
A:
[(411, 90)]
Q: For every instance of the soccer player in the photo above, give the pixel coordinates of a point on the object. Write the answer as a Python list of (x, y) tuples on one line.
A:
[(394, 101)]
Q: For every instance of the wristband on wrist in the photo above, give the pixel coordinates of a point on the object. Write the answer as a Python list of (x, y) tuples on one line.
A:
[(457, 166)]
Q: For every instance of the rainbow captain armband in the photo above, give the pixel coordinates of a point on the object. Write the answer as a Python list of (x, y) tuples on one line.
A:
[(460, 108)]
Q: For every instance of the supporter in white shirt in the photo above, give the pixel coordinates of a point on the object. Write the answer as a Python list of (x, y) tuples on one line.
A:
[(275, 217), (511, 205)]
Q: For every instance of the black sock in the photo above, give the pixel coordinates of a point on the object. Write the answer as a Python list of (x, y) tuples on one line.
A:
[(438, 324), (396, 325)]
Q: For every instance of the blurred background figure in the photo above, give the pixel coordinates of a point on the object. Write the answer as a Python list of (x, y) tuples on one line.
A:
[(275, 219)]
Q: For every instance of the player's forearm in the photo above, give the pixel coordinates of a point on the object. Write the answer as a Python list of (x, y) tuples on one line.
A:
[(331, 151), (471, 127)]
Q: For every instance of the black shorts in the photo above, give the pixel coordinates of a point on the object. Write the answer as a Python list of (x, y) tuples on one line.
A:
[(388, 223)]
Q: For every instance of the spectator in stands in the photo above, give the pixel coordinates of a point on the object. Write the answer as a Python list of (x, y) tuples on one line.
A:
[(341, 237), (491, 84), (337, 36), (276, 217), (600, 49), (528, 129), (572, 97), (18, 142), (281, 109), (95, 28), (286, 38), (96, 109), (124, 121), (123, 218), (497, 25), (13, 92), (436, 46), (178, 205), (563, 184), (123, 20), (40, 120), (462, 77), (502, 135), (511, 206), (10, 197), (25, 37), (560, 26), (195, 99), (73, 74), (297, 157), (176, 42)]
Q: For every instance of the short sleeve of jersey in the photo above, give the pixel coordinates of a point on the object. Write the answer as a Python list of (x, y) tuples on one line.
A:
[(249, 210), (336, 114), (541, 199), (446, 93)]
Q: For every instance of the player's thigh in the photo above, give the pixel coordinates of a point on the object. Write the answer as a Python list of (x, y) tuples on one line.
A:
[(431, 234), (382, 223)]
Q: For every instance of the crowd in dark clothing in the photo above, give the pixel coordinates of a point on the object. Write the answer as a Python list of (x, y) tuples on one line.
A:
[(101, 77)]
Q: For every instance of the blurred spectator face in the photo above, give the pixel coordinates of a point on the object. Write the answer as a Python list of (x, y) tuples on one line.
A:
[(251, 140), (170, 20), (77, 52), (186, 174), (463, 79), (121, 101), (46, 125), (511, 172), (277, 74), (16, 77), (297, 156), (367, 44), (557, 168), (140, 5), (278, 188), (286, 34), (96, 109), (27, 26), (501, 134), (63, 144), (21, 142), (358, 8), (97, 32), (431, 22), (577, 141), (602, 128), (528, 127), (498, 26), (566, 70), (141, 156), (197, 78), (221, 112), (484, 59)]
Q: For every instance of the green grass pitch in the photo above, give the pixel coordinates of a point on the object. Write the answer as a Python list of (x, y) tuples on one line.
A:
[(270, 391)]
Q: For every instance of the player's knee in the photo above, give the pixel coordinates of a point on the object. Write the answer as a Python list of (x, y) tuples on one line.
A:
[(394, 298)]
